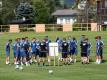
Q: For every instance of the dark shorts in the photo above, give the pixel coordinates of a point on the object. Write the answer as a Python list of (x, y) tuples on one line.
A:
[(73, 52), (43, 54), (64, 55), (34, 53), (37, 52), (84, 54)]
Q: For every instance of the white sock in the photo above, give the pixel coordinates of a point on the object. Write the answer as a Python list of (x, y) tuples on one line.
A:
[(75, 60), (70, 59), (96, 60), (49, 60), (7, 62)]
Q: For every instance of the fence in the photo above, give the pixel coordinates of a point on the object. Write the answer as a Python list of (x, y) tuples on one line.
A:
[(27, 27), (51, 27), (82, 27), (4, 28)]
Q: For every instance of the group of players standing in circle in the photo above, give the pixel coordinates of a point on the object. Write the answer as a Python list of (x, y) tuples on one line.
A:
[(26, 52)]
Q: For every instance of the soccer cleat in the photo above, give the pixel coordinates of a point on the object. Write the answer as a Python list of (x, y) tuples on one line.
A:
[(71, 60), (7, 62), (27, 64), (35, 61), (21, 63), (15, 63)]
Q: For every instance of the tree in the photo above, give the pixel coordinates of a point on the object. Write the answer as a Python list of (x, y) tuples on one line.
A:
[(24, 10), (8, 7), (42, 12)]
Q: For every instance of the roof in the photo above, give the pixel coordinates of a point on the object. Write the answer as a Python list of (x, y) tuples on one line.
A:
[(65, 12)]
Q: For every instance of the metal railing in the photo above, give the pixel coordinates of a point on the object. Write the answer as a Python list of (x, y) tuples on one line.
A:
[(27, 27), (81, 27), (4, 28), (53, 27)]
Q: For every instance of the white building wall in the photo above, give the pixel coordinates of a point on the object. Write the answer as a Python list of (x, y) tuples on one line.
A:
[(65, 20)]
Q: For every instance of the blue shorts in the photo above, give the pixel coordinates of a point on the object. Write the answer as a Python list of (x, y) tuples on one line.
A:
[(15, 53), (18, 54), (22, 53), (99, 52), (7, 53)]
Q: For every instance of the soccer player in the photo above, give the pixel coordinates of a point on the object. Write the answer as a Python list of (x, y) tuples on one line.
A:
[(65, 47), (22, 51), (33, 49), (37, 50), (15, 51), (84, 52), (18, 54), (89, 49), (47, 41), (59, 41), (7, 49), (27, 51), (99, 50), (43, 53), (73, 49)]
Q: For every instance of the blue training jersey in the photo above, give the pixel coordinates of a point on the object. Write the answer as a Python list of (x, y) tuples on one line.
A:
[(99, 44), (26, 45), (59, 41), (38, 45), (15, 46), (18, 46), (33, 46), (7, 46), (22, 44), (73, 44)]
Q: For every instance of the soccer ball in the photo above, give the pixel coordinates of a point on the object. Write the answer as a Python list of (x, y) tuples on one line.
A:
[(21, 68), (17, 67), (50, 71)]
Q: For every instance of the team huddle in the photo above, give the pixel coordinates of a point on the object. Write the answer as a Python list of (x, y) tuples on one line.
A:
[(26, 52)]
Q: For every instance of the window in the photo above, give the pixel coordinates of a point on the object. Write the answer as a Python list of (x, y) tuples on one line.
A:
[(61, 21), (67, 21)]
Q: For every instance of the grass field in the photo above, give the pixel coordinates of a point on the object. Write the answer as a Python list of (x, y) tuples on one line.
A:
[(75, 71)]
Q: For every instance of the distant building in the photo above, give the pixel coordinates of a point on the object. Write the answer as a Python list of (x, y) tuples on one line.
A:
[(66, 16)]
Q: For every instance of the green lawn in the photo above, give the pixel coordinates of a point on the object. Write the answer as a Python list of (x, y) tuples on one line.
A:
[(76, 71)]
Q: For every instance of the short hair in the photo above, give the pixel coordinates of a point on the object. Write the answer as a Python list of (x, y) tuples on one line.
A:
[(10, 40), (64, 38), (86, 39), (82, 35), (74, 38)]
